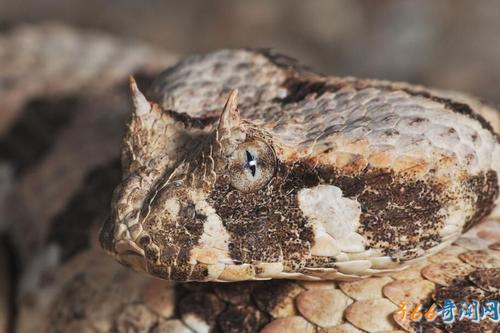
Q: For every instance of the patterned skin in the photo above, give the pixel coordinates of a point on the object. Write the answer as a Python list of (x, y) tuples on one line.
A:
[(249, 166), (68, 187), (93, 294)]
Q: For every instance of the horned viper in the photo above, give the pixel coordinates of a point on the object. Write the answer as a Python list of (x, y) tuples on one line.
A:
[(300, 176), (243, 165)]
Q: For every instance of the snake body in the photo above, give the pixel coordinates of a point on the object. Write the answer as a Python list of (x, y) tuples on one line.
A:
[(350, 177), (243, 165)]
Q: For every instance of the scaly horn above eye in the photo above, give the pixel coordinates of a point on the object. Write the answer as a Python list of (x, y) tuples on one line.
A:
[(141, 104), (230, 117)]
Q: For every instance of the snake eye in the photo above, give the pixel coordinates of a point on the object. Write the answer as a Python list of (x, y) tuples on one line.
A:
[(251, 166)]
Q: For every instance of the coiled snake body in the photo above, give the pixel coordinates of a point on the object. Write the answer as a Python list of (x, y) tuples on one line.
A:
[(243, 165)]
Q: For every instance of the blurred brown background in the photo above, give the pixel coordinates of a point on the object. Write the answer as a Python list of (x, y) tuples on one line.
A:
[(447, 44)]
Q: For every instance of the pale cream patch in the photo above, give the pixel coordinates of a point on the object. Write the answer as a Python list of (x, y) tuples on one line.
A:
[(272, 269), (214, 271), (212, 247), (172, 206), (456, 216), (334, 215), (195, 323), (325, 246), (237, 273), (352, 242)]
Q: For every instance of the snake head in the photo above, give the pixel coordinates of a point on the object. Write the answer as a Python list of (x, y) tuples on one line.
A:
[(184, 181)]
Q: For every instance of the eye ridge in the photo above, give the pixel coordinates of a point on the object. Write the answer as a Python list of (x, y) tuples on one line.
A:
[(251, 163)]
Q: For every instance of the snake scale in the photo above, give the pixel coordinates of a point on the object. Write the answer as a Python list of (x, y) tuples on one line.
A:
[(325, 201)]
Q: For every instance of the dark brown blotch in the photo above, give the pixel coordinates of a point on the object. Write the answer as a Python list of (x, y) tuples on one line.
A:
[(487, 279), (203, 305), (268, 223), (485, 186), (300, 89), (237, 293), (457, 107), (268, 295), (36, 130), (175, 239), (242, 319)]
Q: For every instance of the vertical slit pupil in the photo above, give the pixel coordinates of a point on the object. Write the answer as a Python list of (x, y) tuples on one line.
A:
[(251, 163)]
